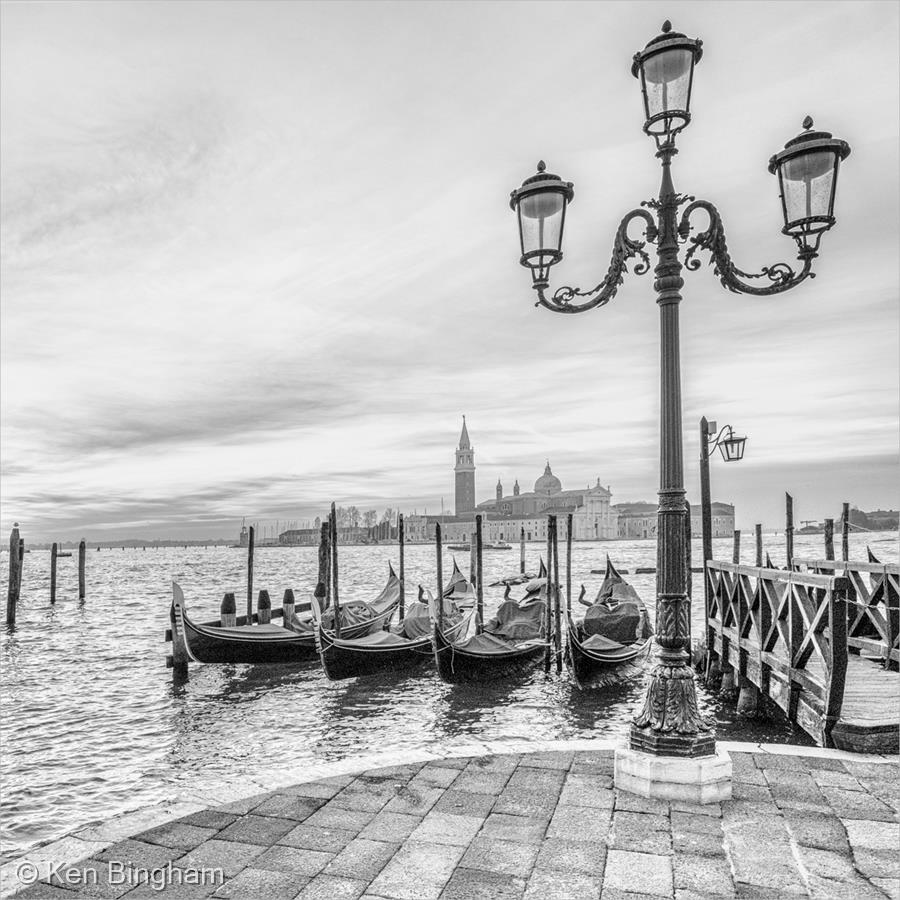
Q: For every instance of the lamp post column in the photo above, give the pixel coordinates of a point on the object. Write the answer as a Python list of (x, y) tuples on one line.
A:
[(669, 722)]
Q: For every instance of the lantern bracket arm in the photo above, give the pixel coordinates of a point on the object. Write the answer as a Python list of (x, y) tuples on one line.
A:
[(624, 248), (714, 441), (780, 275)]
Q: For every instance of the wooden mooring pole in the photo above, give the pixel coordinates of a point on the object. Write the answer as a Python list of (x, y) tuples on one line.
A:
[(522, 551), (54, 549), (829, 539), (324, 559), (81, 560), (263, 608), (334, 573), (789, 530), (401, 540), (287, 608), (759, 546), (568, 565), (251, 534), (845, 532), (15, 580), (479, 590), (557, 629), (440, 575), (548, 637), (736, 552), (228, 612)]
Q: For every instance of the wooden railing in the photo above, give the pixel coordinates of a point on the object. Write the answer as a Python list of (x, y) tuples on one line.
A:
[(873, 623), (786, 632)]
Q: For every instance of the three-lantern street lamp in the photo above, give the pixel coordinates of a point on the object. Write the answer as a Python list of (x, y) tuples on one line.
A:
[(669, 722)]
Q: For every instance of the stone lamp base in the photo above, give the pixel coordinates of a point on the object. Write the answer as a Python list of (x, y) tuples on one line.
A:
[(701, 779)]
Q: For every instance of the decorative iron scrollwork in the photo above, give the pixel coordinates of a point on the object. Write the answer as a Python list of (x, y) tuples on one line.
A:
[(624, 249), (781, 275)]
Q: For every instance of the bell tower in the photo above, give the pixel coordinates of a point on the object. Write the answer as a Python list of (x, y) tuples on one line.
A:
[(465, 474)]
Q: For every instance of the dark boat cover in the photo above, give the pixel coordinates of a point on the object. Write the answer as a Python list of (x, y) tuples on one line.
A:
[(516, 622), (618, 613)]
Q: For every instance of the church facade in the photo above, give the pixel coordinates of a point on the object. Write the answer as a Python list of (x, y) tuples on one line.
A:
[(506, 516)]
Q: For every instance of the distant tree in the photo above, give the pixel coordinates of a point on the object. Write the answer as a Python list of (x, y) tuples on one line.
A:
[(353, 516), (343, 518), (370, 518), (388, 515)]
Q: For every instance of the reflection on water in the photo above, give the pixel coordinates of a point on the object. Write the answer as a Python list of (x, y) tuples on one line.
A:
[(93, 724)]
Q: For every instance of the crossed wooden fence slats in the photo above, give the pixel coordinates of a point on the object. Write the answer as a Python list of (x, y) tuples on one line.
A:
[(786, 632), (873, 604)]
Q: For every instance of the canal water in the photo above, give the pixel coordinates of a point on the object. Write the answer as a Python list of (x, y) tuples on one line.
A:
[(93, 726)]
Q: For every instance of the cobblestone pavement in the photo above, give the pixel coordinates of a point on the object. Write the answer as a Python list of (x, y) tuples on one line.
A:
[(539, 826)]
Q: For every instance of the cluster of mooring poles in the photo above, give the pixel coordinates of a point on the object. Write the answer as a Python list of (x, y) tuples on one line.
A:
[(17, 564)]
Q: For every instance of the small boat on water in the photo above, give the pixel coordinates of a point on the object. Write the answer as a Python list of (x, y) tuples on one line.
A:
[(403, 645), (274, 643), (511, 643), (612, 642)]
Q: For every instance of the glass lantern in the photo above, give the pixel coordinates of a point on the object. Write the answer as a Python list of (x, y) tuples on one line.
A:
[(807, 172), (732, 447), (541, 204)]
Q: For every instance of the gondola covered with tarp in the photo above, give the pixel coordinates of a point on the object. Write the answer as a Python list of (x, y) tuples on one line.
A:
[(512, 642), (612, 642), (403, 645), (274, 643)]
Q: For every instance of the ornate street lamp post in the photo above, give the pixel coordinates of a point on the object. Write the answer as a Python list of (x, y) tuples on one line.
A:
[(669, 722), (732, 449)]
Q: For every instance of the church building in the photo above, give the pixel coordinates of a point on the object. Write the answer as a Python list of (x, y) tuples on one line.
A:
[(506, 515)]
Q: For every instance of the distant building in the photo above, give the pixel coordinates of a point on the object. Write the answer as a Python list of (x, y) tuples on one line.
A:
[(638, 520), (506, 516)]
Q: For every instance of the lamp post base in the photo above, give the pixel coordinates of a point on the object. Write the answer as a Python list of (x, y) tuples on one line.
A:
[(660, 743), (706, 779)]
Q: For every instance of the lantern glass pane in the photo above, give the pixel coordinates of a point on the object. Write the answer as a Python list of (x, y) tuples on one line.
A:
[(732, 449), (541, 218), (806, 182), (667, 81)]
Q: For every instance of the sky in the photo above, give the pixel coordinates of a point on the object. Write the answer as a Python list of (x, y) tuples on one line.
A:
[(256, 257)]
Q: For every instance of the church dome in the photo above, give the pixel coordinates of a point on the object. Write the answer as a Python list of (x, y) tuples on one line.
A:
[(548, 483)]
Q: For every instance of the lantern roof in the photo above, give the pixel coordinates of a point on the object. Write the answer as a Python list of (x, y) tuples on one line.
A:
[(666, 40), (541, 180), (807, 141)]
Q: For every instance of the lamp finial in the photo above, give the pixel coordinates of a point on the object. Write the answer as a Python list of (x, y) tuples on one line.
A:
[(667, 27), (808, 123), (541, 166)]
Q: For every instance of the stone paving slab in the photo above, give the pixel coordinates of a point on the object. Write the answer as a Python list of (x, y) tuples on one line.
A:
[(543, 825)]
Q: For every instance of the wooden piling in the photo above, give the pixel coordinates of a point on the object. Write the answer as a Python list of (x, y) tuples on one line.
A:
[(287, 608), (736, 552), (15, 583), (845, 532), (548, 637), (557, 630), (324, 556), (228, 612), (829, 539), (81, 561), (568, 565), (401, 540), (748, 699), (789, 530), (479, 590), (21, 561), (335, 599), (264, 608), (473, 565), (759, 546), (54, 549), (522, 551), (440, 575), (251, 534)]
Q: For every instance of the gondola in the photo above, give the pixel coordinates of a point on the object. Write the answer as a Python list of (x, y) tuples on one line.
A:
[(458, 590), (612, 642), (403, 645), (275, 643), (511, 644)]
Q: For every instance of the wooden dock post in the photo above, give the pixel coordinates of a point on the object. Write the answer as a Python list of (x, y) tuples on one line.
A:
[(54, 549), (440, 575), (759, 546), (324, 556), (401, 540), (557, 630), (748, 699), (789, 530), (473, 564), (335, 599), (568, 565), (829, 539), (548, 637), (288, 605), (21, 561), (736, 552), (522, 551), (81, 561), (845, 532), (15, 581), (228, 612), (251, 534), (479, 590), (264, 608)]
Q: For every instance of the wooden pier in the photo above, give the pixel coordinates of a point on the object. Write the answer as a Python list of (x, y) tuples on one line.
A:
[(821, 643)]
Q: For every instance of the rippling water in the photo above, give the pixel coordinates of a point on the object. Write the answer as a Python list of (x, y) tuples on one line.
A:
[(93, 725)]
